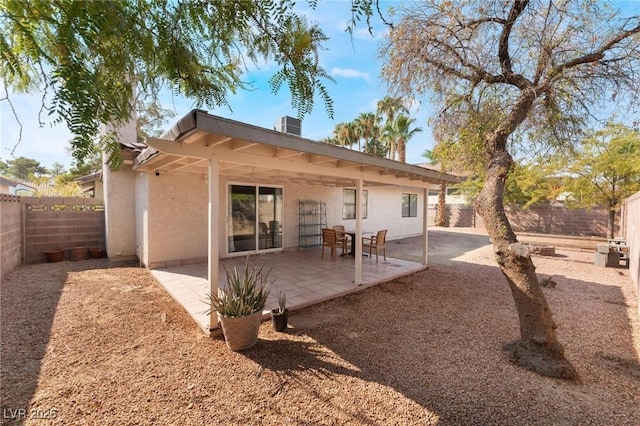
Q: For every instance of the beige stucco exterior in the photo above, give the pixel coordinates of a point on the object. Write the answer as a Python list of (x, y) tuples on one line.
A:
[(176, 217), (119, 204), (171, 215)]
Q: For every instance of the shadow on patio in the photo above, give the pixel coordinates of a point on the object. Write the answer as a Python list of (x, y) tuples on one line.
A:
[(305, 278)]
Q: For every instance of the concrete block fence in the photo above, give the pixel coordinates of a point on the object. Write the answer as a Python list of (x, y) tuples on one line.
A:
[(10, 233), (31, 225), (631, 220), (541, 220)]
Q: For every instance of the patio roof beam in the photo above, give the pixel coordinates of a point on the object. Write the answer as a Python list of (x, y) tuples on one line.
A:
[(249, 159), (219, 142), (190, 162), (250, 133), (238, 145), (319, 159), (285, 153), (166, 161)]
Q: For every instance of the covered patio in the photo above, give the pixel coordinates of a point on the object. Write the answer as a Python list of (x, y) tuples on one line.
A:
[(305, 278), (227, 153)]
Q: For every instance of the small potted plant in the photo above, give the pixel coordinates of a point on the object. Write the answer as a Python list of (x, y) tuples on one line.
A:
[(239, 305), (280, 315)]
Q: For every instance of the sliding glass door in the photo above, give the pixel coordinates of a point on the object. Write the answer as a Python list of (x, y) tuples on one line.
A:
[(255, 214)]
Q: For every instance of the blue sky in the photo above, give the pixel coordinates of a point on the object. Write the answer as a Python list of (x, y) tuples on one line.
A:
[(352, 62)]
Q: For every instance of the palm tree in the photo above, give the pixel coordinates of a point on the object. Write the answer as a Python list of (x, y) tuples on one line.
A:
[(400, 131), (389, 107), (367, 128), (345, 134), (442, 193)]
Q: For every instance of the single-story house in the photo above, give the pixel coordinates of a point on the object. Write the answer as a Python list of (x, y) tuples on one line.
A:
[(213, 188), (16, 187), (91, 185)]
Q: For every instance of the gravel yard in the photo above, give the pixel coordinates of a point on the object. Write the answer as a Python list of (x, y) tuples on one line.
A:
[(93, 343)]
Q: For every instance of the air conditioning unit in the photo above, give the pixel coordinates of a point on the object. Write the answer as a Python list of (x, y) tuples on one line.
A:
[(289, 125)]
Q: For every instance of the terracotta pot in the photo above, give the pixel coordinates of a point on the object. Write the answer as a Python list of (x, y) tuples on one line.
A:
[(54, 255), (241, 332), (95, 252), (79, 253)]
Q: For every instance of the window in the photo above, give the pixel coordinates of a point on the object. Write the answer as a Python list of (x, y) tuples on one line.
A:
[(409, 205), (349, 204)]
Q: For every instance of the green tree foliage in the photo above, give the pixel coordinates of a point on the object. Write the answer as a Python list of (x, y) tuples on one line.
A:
[(383, 133), (605, 170), (367, 129), (25, 168), (91, 164), (151, 118), (389, 107), (4, 167), (57, 169), (400, 131), (89, 58)]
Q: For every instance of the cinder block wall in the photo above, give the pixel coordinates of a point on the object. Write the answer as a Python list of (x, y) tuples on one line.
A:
[(10, 233), (542, 220), (632, 236), (65, 223)]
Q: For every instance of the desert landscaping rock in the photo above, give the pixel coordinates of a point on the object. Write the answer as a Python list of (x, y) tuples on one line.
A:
[(93, 343)]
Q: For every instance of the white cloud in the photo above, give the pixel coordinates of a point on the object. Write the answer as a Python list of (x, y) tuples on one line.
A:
[(350, 73)]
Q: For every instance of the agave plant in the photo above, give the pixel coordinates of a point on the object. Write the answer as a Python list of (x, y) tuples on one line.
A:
[(246, 292), (282, 301)]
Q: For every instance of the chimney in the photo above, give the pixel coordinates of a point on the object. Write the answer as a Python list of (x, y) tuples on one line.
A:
[(289, 125)]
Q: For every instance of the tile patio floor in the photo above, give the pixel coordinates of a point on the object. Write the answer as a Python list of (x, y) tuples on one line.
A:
[(303, 275)]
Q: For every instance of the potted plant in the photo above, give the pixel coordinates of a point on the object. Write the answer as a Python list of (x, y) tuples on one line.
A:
[(280, 315), (239, 305), (54, 255)]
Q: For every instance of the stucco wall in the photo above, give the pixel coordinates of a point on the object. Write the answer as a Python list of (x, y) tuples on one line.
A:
[(174, 217), (142, 214), (177, 218), (10, 233), (632, 237), (384, 210), (119, 202)]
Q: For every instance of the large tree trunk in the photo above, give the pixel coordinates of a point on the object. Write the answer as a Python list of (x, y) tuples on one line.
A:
[(392, 149), (538, 348), (611, 226), (441, 219), (401, 150)]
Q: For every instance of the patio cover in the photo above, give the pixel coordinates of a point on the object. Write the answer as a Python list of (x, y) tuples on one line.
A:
[(210, 145)]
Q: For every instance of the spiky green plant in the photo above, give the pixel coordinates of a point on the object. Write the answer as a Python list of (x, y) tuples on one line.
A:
[(282, 301), (246, 292)]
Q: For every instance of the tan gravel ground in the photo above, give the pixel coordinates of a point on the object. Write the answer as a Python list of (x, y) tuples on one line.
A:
[(90, 343)]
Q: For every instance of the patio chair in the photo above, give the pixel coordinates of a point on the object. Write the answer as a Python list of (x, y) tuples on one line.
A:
[(341, 235), (330, 239), (376, 242)]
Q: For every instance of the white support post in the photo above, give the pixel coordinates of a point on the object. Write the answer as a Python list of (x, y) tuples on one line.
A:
[(358, 241), (425, 226), (214, 256)]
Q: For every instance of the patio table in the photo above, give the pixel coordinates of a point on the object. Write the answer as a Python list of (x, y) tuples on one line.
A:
[(352, 233)]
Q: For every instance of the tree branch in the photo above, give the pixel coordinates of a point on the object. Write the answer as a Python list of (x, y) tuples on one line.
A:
[(503, 46), (594, 56)]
